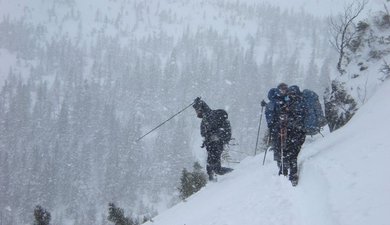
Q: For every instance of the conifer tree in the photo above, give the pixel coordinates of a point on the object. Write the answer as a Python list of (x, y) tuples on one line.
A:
[(192, 182), (42, 216), (185, 184), (116, 215), (199, 177)]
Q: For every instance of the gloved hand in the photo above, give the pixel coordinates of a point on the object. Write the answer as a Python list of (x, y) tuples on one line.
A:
[(263, 103), (197, 100)]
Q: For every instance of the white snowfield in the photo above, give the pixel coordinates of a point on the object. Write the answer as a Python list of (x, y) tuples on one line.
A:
[(344, 180)]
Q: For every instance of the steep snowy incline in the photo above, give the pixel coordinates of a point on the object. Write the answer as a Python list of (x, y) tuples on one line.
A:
[(343, 181)]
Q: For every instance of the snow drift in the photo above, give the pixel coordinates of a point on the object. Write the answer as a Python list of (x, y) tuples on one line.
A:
[(343, 180)]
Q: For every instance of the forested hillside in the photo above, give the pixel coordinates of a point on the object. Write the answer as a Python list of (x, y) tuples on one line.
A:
[(82, 80)]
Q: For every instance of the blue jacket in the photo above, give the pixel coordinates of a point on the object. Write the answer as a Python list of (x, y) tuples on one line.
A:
[(274, 109), (292, 106)]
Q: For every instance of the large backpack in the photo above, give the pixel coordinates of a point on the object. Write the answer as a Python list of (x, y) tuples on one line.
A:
[(270, 108), (314, 119), (221, 125)]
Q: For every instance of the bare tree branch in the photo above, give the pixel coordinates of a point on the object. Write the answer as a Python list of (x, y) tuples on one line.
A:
[(386, 9), (343, 30)]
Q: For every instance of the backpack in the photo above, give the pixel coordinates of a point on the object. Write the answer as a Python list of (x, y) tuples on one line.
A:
[(270, 107), (221, 125), (314, 119)]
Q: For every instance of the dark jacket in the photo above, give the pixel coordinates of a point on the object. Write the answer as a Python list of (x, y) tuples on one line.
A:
[(296, 114), (296, 110), (215, 125)]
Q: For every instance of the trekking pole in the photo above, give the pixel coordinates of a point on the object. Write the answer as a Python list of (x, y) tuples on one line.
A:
[(165, 121), (263, 103), (268, 141), (283, 137)]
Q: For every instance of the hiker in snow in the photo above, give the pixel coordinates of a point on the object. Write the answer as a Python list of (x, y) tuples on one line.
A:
[(296, 114), (291, 115), (216, 131), (285, 115), (277, 100)]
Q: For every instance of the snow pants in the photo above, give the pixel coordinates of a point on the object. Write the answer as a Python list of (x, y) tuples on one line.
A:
[(294, 141), (214, 152)]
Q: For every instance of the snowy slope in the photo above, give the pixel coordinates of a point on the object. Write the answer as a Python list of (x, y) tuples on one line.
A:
[(343, 181)]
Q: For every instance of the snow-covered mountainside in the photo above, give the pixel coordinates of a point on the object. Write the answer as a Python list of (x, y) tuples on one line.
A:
[(368, 56), (80, 81), (343, 181)]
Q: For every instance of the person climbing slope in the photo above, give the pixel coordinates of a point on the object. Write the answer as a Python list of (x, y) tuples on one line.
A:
[(216, 130)]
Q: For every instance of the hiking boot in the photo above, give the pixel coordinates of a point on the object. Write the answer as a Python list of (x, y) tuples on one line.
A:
[(294, 180), (212, 176), (223, 171), (285, 172)]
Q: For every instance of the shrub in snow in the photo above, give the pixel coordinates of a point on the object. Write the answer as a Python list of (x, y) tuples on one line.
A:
[(385, 70), (339, 106), (383, 19)]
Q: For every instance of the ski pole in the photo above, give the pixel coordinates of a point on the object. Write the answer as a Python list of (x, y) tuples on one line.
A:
[(165, 121), (258, 130)]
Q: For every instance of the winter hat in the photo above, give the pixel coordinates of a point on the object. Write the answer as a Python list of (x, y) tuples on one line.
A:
[(294, 90), (282, 89), (282, 86), (200, 105)]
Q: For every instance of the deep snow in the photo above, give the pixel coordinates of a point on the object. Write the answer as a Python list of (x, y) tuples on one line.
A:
[(343, 181)]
